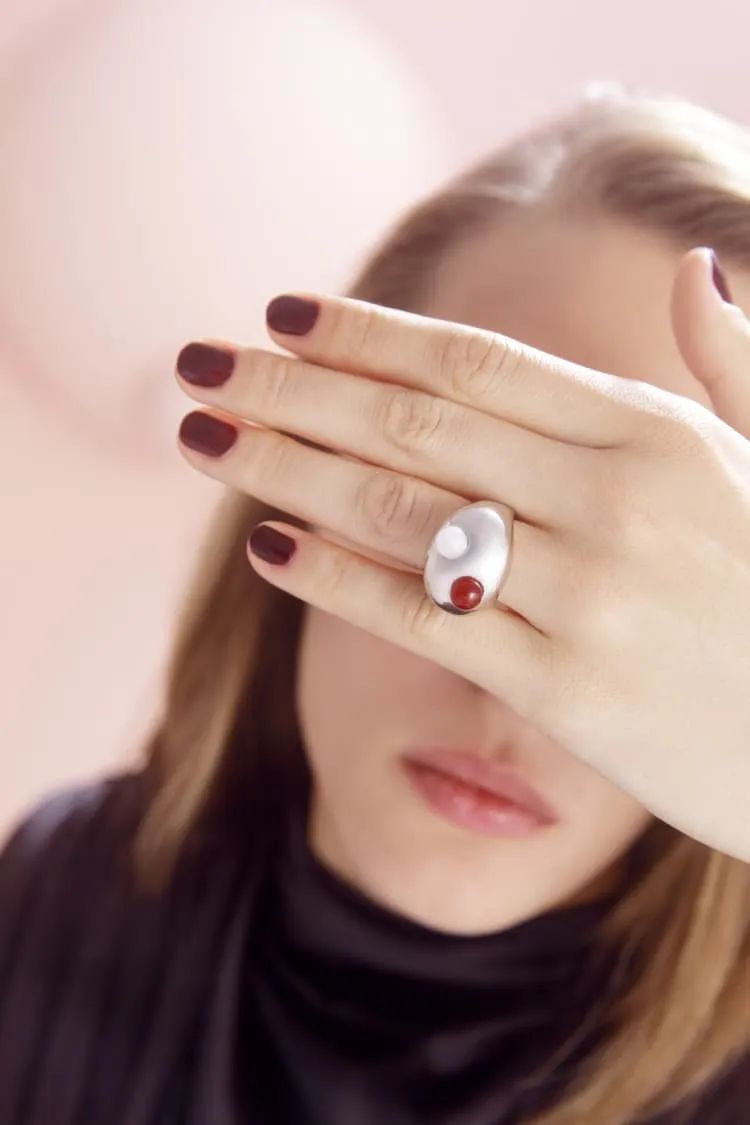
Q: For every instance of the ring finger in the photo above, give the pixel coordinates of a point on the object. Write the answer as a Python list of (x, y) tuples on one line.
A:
[(377, 511)]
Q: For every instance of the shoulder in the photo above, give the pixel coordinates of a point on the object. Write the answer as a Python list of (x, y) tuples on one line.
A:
[(70, 846), (68, 812), (69, 832), (63, 902), (101, 981), (70, 864), (89, 961)]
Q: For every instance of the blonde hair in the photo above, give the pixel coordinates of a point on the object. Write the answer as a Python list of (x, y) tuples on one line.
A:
[(679, 1009)]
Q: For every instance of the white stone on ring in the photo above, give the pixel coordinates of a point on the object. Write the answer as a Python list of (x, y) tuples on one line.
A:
[(451, 542)]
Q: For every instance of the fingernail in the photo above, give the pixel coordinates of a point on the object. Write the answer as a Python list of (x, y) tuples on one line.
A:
[(272, 546), (206, 434), (293, 316), (205, 366), (720, 280)]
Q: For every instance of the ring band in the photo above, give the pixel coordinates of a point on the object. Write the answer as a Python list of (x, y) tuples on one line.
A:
[(468, 558)]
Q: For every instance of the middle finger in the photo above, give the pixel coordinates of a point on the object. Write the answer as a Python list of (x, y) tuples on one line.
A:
[(455, 447)]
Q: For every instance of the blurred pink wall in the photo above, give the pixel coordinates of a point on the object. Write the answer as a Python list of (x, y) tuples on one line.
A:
[(168, 166)]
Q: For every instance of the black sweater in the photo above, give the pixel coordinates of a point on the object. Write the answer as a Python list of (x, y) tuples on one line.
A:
[(268, 994)]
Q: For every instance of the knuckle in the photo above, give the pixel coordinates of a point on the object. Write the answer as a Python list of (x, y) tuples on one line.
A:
[(591, 607), (274, 456), (353, 332), (598, 598), (389, 506), (271, 383), (675, 426), (410, 421), (420, 617), (623, 502), (470, 364), (585, 586), (679, 432), (330, 577)]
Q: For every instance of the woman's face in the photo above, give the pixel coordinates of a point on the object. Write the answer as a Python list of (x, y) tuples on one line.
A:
[(597, 295)]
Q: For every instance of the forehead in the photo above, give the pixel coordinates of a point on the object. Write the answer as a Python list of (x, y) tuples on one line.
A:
[(596, 293)]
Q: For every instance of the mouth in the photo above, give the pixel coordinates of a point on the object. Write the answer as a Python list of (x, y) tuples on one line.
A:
[(487, 798)]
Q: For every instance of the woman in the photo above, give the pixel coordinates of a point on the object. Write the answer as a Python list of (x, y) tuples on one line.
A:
[(391, 864)]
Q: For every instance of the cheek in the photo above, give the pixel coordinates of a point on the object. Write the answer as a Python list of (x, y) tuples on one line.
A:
[(356, 689), (345, 666), (343, 678)]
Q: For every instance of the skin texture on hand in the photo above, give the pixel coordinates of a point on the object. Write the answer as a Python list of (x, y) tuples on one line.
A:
[(640, 516)]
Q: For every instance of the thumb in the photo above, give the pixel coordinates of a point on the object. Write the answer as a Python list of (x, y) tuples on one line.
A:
[(713, 336)]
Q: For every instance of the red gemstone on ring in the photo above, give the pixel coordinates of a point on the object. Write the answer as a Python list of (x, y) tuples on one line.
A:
[(466, 593)]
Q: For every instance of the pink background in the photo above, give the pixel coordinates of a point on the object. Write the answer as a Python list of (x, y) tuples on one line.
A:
[(168, 166)]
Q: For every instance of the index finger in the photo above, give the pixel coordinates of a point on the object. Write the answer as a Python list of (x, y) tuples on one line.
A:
[(472, 366)]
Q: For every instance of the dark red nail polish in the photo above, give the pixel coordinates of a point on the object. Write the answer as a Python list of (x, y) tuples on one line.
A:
[(294, 316), (271, 545), (206, 434), (205, 366), (720, 280)]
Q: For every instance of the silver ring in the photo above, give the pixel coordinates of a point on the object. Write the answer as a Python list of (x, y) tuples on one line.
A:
[(469, 557)]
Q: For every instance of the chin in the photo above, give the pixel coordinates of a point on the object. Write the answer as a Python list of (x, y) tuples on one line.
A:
[(461, 887), (464, 911)]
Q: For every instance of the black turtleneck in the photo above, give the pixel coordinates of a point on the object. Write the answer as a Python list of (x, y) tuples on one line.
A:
[(123, 1008), (353, 1015)]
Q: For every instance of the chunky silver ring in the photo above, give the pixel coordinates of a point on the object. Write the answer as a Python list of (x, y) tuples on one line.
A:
[(468, 558)]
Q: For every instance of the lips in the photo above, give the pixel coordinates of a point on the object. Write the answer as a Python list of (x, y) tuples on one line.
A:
[(499, 780)]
